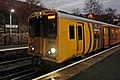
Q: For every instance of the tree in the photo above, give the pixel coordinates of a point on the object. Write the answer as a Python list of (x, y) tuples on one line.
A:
[(32, 5), (35, 2), (94, 7), (118, 17), (76, 11), (110, 11), (2, 19)]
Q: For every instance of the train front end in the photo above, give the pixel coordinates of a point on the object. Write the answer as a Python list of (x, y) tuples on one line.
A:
[(42, 35)]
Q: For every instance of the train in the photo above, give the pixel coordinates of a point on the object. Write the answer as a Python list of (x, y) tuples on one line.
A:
[(58, 37)]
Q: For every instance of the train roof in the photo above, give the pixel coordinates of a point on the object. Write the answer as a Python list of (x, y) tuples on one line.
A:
[(69, 16)]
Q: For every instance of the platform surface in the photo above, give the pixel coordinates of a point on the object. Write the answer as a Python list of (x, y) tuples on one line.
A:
[(104, 65), (106, 69)]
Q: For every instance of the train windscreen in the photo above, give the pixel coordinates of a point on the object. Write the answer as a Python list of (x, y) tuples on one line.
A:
[(36, 27), (51, 24), (45, 26)]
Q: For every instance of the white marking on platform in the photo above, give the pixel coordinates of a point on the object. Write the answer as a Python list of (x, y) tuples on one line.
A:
[(16, 48), (74, 63)]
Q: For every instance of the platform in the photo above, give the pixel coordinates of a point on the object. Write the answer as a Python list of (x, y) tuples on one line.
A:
[(101, 66), (106, 69)]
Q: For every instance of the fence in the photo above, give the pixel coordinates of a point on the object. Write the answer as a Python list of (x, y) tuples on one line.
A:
[(13, 39)]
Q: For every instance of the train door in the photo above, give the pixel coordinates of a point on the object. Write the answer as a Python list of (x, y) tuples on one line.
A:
[(106, 36), (79, 38)]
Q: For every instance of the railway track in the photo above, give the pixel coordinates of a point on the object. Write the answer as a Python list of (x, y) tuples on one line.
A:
[(22, 69), (8, 54), (15, 69), (15, 64)]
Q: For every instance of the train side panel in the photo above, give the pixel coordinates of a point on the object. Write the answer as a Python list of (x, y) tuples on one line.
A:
[(63, 47), (70, 42), (87, 37), (74, 39), (106, 36), (91, 37)]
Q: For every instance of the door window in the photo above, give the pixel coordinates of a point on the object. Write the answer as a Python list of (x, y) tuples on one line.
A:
[(79, 32)]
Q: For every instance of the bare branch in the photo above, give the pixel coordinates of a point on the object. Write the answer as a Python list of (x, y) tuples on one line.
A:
[(76, 11), (93, 6)]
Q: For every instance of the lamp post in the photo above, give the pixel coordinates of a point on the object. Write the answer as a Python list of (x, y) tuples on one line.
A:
[(11, 11)]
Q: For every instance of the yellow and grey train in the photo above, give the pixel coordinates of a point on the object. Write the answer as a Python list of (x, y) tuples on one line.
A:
[(58, 37)]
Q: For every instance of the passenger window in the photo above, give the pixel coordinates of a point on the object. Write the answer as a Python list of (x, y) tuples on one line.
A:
[(113, 33), (117, 33), (96, 33), (79, 32), (71, 32)]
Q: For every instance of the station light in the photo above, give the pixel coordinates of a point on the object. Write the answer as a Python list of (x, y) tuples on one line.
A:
[(12, 10), (40, 13), (91, 16)]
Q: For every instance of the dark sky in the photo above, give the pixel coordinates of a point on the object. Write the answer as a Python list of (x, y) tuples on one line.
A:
[(68, 5)]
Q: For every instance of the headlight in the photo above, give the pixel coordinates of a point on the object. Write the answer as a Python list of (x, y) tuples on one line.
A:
[(49, 52), (53, 50), (33, 48), (30, 45)]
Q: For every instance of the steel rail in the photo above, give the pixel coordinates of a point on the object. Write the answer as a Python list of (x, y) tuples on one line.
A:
[(8, 76), (10, 49), (12, 61)]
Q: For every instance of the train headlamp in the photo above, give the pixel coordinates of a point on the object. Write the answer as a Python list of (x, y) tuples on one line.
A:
[(33, 48), (49, 52), (30, 46), (53, 50)]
